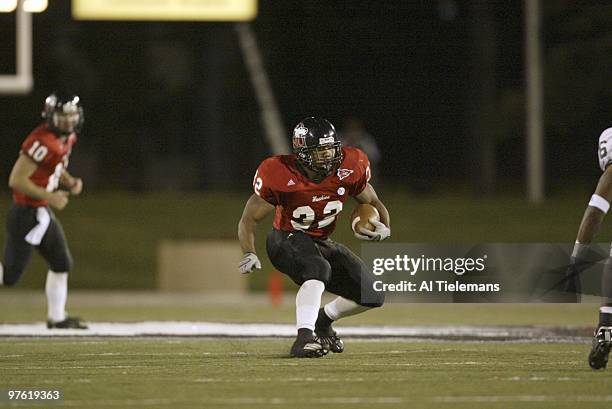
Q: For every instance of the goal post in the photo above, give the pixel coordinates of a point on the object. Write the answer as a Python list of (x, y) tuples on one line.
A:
[(274, 129), (22, 81)]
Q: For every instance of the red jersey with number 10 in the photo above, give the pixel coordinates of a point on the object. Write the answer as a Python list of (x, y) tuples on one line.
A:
[(51, 155), (304, 205)]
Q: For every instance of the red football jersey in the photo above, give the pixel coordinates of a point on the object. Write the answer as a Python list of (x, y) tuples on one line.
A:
[(51, 154), (302, 204)]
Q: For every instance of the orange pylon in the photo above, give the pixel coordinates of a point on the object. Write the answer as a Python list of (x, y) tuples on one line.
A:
[(275, 288)]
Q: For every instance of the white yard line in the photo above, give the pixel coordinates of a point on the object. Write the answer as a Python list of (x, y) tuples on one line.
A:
[(522, 398), (213, 329), (340, 400)]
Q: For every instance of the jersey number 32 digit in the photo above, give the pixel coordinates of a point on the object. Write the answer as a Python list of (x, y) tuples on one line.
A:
[(304, 216)]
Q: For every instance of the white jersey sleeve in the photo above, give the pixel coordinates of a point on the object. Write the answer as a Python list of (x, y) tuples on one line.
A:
[(605, 149)]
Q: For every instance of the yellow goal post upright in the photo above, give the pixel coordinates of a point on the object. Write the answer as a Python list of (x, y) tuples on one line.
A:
[(21, 82)]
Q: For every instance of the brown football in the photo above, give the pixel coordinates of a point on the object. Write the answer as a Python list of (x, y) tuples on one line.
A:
[(361, 215)]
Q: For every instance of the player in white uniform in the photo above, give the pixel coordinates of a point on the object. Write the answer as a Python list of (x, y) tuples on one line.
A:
[(591, 222)]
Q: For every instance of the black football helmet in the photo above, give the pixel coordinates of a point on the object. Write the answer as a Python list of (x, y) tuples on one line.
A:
[(316, 145), (63, 113)]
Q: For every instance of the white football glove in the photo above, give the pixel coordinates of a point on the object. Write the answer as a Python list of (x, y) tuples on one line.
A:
[(381, 232), (249, 261)]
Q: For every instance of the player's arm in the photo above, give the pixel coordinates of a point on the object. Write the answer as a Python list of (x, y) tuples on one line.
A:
[(73, 184), (597, 208), (582, 254), (255, 210), (369, 196), (19, 179), (383, 228)]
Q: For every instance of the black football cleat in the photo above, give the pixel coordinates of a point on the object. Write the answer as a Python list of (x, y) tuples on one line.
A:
[(330, 337), (326, 333), (68, 323), (308, 348), (602, 341)]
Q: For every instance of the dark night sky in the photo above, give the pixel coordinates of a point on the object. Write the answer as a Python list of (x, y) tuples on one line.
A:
[(161, 93)]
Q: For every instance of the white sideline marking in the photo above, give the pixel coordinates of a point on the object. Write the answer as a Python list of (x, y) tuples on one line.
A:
[(277, 380), (117, 402), (237, 401), (539, 378), (38, 368), (421, 364), (466, 363), (337, 400), (151, 354), (214, 329), (522, 398)]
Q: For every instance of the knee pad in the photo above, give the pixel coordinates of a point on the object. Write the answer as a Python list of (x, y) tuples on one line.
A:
[(316, 268)]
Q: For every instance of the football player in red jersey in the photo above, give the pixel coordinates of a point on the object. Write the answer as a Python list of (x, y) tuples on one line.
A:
[(36, 177), (308, 190)]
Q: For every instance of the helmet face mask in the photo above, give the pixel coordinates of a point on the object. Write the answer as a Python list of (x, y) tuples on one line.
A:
[(316, 146), (321, 159), (64, 115)]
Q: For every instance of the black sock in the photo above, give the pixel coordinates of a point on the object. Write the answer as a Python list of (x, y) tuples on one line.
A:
[(323, 321), (305, 333), (605, 319)]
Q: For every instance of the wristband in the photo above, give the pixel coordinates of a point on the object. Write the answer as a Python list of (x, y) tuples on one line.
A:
[(599, 203)]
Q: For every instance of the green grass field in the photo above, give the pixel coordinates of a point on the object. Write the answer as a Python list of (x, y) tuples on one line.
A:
[(176, 372), (196, 373)]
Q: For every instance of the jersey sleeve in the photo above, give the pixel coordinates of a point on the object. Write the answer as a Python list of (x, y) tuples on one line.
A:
[(362, 173), (35, 148), (264, 182), (605, 149)]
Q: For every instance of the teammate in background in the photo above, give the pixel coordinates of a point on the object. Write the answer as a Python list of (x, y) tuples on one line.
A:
[(308, 190), (38, 173), (591, 222)]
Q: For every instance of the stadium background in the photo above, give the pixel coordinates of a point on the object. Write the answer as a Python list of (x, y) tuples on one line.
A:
[(173, 135), (173, 123)]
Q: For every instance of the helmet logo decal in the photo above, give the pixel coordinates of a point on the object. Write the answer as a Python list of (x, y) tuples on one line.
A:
[(344, 173), (299, 136), (329, 139)]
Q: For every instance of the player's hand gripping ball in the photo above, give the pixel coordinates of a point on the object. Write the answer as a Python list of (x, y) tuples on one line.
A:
[(366, 225)]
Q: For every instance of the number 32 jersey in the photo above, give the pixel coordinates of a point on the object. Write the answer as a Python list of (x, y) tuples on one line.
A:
[(50, 153), (304, 205)]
